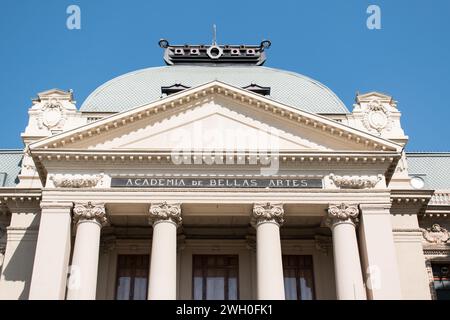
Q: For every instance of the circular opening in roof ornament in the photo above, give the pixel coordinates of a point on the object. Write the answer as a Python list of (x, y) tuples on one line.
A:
[(417, 182), (214, 52)]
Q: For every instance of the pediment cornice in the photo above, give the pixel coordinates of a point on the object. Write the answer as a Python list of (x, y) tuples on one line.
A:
[(191, 96)]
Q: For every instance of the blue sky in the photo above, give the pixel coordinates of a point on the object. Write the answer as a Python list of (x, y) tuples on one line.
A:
[(326, 40)]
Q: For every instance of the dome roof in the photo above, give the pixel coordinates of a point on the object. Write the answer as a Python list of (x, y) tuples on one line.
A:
[(144, 86)]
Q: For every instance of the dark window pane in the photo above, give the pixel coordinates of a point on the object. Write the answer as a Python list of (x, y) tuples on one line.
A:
[(123, 288), (132, 277), (215, 277), (140, 288), (298, 277), (441, 275)]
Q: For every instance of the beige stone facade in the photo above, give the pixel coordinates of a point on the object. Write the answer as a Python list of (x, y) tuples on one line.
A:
[(219, 170)]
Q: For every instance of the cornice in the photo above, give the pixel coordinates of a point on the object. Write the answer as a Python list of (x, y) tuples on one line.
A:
[(190, 96), (124, 157), (352, 158), (440, 198), (410, 200), (19, 195)]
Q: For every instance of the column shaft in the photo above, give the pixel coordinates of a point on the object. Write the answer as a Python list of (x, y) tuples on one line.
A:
[(83, 272), (165, 219), (163, 265), (269, 262), (89, 218), (347, 263), (267, 218)]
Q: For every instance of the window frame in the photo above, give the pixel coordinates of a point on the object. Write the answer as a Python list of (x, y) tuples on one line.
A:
[(298, 268), (131, 293), (204, 268)]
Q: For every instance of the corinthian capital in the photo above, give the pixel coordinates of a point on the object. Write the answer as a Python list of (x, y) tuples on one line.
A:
[(267, 212), (342, 213), (164, 211), (90, 211)]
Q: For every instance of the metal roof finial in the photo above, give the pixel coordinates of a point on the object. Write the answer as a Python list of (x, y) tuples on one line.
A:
[(214, 42)]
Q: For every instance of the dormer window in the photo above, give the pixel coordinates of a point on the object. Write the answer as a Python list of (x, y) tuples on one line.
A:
[(264, 91), (173, 89)]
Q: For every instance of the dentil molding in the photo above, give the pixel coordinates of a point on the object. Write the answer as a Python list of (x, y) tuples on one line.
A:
[(267, 212), (76, 181), (436, 234), (355, 182), (90, 211), (164, 211)]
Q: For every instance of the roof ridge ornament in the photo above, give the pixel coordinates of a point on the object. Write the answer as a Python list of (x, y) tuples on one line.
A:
[(214, 41), (214, 54)]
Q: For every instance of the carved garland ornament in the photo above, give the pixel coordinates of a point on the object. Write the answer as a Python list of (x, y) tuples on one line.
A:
[(356, 182), (377, 117), (436, 234), (75, 181), (90, 211), (267, 212), (165, 212), (342, 213)]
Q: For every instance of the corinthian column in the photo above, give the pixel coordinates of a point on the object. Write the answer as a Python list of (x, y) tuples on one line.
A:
[(165, 218), (89, 219), (267, 219), (347, 264)]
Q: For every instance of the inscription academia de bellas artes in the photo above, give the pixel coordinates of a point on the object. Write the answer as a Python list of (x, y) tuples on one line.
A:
[(216, 177)]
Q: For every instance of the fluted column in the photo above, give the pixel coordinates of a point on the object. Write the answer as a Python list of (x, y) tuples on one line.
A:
[(165, 218), (89, 218), (267, 219), (347, 264)]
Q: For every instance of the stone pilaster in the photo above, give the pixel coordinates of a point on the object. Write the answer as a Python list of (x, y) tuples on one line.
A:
[(52, 252)]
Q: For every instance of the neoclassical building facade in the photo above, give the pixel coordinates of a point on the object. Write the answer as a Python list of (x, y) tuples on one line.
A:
[(215, 177)]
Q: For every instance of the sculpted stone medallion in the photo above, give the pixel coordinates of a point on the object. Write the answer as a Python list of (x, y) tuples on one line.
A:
[(377, 117), (52, 114)]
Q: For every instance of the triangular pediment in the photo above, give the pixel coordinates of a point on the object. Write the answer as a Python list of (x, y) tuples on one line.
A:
[(193, 118), (373, 95), (55, 94), (214, 125)]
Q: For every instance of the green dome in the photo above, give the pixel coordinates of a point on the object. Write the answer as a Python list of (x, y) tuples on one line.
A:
[(144, 86)]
